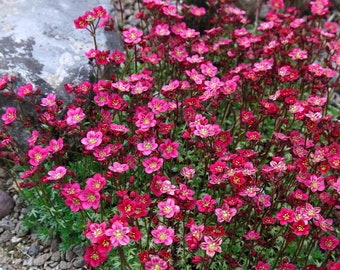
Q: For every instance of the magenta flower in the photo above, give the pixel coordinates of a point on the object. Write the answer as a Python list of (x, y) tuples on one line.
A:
[(168, 208), (74, 116), (163, 235), (132, 35), (37, 155), (56, 145), (329, 242), (57, 173), (92, 140), (96, 183), (118, 234), (169, 149), (152, 164), (118, 167), (147, 146), (225, 213), (9, 116), (252, 235), (211, 245), (156, 263), (25, 90), (206, 204), (89, 198), (49, 100), (285, 216)]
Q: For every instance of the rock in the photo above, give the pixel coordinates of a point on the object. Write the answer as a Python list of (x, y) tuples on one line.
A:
[(69, 255), (6, 204), (56, 256), (65, 265), (78, 262), (79, 250), (16, 240), (40, 260), (5, 237), (20, 230), (46, 52), (7, 224), (33, 250)]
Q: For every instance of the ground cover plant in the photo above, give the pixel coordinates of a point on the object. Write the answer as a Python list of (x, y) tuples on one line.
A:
[(211, 148)]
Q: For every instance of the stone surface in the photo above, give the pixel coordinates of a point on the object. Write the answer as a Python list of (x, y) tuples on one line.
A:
[(6, 204), (40, 44)]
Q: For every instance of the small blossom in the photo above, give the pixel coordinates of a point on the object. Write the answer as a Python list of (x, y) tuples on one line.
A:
[(152, 164), (211, 245), (225, 213), (9, 116), (156, 263), (252, 235), (118, 234), (132, 35), (168, 208), (92, 140), (329, 242), (74, 116), (163, 235), (57, 173)]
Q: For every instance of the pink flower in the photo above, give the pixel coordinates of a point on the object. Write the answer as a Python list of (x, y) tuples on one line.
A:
[(252, 235), (249, 191), (262, 266), (225, 213), (206, 204), (49, 100), (156, 263), (168, 208), (162, 30), (89, 198), (187, 172), (96, 183), (118, 234), (92, 140), (276, 4), (57, 173), (33, 139), (37, 155), (25, 90), (132, 35), (93, 257), (74, 116), (211, 245), (158, 105), (253, 136), (285, 216), (163, 235), (95, 231), (152, 164), (118, 167), (80, 22), (9, 116), (316, 183), (145, 121), (169, 149), (329, 242), (56, 145), (147, 146), (300, 227), (264, 65)]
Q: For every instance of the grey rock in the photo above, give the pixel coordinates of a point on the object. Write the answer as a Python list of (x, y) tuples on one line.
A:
[(78, 262), (56, 256), (33, 250), (69, 255), (6, 204), (20, 230), (5, 237), (78, 250), (16, 240), (7, 224), (40, 260), (53, 265), (65, 265), (7, 267)]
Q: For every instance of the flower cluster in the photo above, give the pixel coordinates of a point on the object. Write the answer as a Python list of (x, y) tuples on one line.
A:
[(196, 149)]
